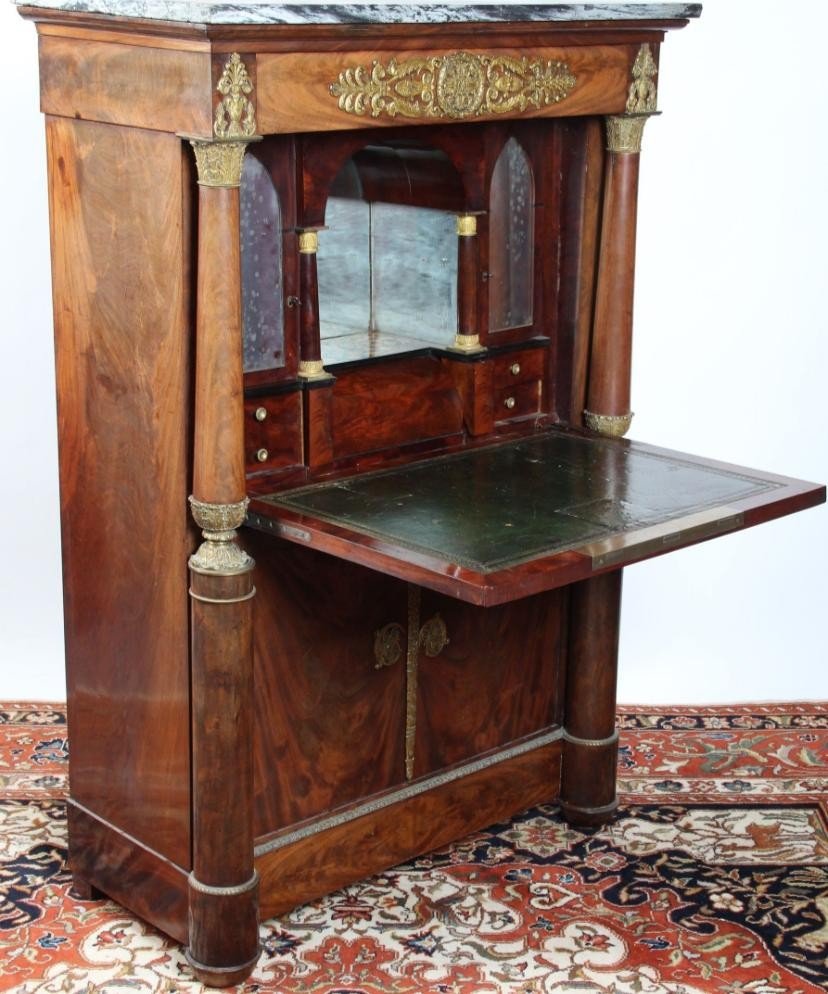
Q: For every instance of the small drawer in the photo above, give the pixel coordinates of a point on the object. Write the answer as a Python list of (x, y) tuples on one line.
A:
[(519, 384), (519, 401), (518, 367), (273, 431)]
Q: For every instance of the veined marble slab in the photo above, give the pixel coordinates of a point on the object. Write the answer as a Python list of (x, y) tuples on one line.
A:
[(205, 12)]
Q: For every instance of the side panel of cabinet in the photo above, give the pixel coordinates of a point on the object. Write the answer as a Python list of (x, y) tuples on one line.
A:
[(499, 678), (121, 276), (329, 725)]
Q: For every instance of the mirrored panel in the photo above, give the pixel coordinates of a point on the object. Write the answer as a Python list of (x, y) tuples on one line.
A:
[(261, 269), (344, 269), (414, 263), (511, 240), (387, 271)]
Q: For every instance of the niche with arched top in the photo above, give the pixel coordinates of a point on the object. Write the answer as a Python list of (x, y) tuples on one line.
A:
[(261, 269), (387, 260), (511, 240)]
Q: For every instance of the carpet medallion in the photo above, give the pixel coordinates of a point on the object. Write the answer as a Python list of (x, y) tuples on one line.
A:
[(712, 878)]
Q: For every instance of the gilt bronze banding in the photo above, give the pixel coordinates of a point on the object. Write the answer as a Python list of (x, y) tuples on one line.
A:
[(597, 812), (466, 225), (232, 561), (203, 888), (219, 161), (590, 743), (219, 554), (624, 132), (611, 425), (411, 662), (466, 343), (223, 971), (308, 242), (421, 785), (312, 369), (222, 600), (219, 517)]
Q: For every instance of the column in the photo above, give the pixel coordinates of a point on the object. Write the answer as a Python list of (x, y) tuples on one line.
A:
[(223, 886), (310, 345), (608, 396), (467, 338), (590, 747)]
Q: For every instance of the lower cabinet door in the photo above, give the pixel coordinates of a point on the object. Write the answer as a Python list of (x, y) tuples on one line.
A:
[(486, 676), (329, 682)]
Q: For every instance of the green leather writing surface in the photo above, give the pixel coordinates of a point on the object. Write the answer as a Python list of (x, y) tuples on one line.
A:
[(493, 507)]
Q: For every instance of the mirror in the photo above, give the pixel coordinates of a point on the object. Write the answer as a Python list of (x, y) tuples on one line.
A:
[(511, 240), (261, 269), (387, 265)]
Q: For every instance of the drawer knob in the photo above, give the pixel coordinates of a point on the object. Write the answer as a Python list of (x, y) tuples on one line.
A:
[(262, 455), (509, 403), (261, 413), (514, 369)]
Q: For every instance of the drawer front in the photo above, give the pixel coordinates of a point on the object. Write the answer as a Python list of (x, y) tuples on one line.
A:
[(273, 432), (519, 384)]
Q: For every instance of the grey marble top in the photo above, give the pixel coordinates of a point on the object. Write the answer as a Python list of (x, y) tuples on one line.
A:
[(253, 12)]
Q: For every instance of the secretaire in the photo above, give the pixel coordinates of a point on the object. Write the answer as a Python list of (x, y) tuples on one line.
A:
[(343, 312)]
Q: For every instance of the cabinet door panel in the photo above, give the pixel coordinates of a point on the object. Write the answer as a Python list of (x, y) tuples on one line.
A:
[(497, 679), (329, 723)]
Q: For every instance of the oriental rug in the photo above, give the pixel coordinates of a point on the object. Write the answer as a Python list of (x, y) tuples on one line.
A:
[(712, 878)]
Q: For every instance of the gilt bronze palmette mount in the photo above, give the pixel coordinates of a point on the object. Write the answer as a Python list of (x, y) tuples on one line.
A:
[(642, 95), (458, 85), (235, 115)]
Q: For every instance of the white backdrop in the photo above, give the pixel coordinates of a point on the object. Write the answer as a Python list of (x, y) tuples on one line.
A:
[(730, 359)]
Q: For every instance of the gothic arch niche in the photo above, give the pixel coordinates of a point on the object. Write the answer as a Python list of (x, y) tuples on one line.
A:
[(261, 268), (511, 240)]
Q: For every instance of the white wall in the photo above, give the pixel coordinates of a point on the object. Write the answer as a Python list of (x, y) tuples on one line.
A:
[(731, 349), (730, 357), (31, 614)]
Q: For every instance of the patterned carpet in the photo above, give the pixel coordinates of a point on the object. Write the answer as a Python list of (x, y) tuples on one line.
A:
[(713, 878)]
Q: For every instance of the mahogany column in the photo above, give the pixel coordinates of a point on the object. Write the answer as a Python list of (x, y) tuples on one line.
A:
[(467, 338), (590, 748), (311, 366), (608, 397), (223, 886)]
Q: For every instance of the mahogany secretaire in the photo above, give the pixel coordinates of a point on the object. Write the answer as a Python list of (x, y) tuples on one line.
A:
[(359, 279)]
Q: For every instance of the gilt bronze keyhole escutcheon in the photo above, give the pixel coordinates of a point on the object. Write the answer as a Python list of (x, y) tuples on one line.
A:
[(434, 636), (388, 645)]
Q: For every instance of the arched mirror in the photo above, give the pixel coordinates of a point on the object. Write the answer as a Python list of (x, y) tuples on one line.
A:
[(387, 260), (261, 269), (511, 240)]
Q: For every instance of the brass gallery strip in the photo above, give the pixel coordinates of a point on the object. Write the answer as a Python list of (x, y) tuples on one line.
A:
[(411, 662), (222, 600), (404, 793), (620, 549), (604, 809), (224, 971), (203, 888), (590, 743)]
